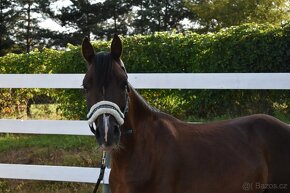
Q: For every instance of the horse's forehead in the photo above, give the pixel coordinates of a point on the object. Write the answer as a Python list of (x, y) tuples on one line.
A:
[(117, 72)]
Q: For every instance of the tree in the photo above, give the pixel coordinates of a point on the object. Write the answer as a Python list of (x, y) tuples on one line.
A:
[(216, 14), (19, 30), (19, 25), (117, 17), (7, 18), (97, 20), (26, 32), (156, 15)]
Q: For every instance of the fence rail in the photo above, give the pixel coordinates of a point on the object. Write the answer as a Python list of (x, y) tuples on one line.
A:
[(52, 173), (139, 81), (59, 127), (157, 80)]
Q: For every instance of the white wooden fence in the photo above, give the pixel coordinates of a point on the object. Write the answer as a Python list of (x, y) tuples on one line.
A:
[(139, 81)]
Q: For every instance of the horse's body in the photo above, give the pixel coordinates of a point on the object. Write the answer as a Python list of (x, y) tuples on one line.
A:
[(153, 152), (241, 155)]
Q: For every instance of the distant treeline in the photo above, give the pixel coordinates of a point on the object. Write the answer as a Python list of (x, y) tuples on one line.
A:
[(247, 48), (22, 28)]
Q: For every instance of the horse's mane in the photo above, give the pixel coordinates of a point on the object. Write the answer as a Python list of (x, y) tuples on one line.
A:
[(103, 67)]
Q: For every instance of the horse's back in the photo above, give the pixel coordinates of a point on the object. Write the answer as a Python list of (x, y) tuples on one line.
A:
[(248, 149)]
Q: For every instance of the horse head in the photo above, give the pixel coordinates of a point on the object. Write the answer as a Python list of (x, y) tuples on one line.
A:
[(106, 90)]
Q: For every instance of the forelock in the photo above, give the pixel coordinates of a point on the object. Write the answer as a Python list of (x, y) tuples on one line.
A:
[(103, 67)]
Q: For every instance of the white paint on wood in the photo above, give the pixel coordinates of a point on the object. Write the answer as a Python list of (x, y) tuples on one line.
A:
[(52, 173), (157, 80), (62, 127), (211, 81), (41, 80)]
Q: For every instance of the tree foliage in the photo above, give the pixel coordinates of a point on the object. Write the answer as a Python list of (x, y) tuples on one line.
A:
[(89, 19), (7, 19), (26, 30), (19, 27), (216, 14), (155, 15), (247, 48), (20, 31)]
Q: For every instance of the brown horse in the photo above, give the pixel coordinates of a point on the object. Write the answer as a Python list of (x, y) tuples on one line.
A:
[(153, 152)]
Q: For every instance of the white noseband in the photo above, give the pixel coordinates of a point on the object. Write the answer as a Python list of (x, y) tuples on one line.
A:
[(105, 107)]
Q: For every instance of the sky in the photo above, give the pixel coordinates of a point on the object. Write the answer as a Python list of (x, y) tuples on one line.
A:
[(52, 25), (49, 23)]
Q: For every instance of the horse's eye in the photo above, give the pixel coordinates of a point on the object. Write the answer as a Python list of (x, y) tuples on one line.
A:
[(85, 89)]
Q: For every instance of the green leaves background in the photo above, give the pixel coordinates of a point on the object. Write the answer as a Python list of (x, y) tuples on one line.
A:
[(247, 48)]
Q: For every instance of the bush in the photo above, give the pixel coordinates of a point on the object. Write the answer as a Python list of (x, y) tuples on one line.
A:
[(246, 48)]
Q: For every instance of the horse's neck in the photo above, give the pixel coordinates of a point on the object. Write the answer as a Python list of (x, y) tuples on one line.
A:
[(139, 110), (139, 115)]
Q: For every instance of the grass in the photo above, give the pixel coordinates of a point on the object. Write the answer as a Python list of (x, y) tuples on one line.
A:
[(279, 115), (48, 150), (61, 150), (12, 141), (27, 186)]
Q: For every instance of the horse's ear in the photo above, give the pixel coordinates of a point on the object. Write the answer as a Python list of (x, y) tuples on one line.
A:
[(116, 47), (88, 50)]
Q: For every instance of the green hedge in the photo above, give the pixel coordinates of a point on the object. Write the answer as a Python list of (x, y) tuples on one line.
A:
[(246, 48)]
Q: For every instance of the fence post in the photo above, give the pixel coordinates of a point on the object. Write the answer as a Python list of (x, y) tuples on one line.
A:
[(106, 187)]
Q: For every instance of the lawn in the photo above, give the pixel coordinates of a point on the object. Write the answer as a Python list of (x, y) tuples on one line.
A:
[(48, 150), (61, 150)]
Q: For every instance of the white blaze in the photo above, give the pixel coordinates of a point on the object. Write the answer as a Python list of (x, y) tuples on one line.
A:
[(106, 122)]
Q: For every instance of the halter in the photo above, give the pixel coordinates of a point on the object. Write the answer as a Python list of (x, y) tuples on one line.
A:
[(107, 107)]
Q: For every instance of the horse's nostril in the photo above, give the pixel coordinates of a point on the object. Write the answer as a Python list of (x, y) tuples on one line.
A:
[(116, 130)]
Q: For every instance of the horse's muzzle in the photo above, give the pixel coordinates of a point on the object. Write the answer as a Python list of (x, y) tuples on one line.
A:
[(107, 118), (107, 131)]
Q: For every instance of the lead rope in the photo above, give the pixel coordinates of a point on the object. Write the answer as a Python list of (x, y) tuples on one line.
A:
[(102, 172)]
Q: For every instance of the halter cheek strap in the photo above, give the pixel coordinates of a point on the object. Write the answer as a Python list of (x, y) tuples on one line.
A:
[(105, 107)]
